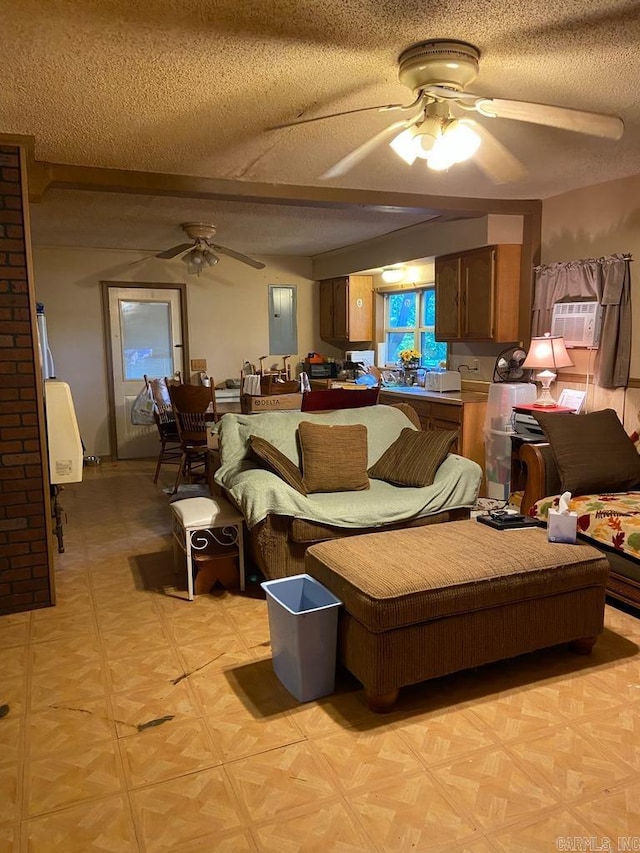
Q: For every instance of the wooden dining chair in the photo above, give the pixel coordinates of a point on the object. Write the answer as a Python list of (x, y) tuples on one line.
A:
[(194, 408), (170, 452)]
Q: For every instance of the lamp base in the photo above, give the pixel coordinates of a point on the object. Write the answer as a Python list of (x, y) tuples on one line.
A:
[(545, 400)]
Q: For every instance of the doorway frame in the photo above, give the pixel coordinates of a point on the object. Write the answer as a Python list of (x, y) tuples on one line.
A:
[(181, 288)]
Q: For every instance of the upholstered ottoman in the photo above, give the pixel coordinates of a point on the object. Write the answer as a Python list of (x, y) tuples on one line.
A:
[(423, 602)]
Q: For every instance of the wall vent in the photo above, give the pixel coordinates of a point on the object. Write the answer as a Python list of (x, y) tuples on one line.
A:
[(578, 323)]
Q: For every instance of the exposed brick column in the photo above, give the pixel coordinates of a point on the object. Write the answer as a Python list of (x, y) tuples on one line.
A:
[(25, 523)]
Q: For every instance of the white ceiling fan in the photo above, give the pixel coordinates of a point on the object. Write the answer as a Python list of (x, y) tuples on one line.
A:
[(439, 130), (202, 251)]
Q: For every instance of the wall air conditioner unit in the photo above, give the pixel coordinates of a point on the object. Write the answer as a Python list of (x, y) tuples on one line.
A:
[(578, 323)]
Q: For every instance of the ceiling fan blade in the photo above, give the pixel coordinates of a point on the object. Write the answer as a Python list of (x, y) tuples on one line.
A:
[(579, 121), (140, 260), (362, 151), (176, 250), (237, 255), (382, 108), (496, 161)]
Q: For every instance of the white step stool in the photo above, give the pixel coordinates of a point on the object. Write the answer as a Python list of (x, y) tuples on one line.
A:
[(199, 522)]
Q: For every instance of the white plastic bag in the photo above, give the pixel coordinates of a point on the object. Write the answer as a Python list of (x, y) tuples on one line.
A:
[(143, 408)]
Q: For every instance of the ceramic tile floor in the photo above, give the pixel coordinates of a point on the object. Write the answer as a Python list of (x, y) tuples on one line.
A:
[(141, 722)]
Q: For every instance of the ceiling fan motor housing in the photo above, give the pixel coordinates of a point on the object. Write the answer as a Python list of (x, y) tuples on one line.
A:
[(453, 64), (198, 230)]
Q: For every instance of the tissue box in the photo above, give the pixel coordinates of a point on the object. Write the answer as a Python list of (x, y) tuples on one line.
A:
[(562, 527)]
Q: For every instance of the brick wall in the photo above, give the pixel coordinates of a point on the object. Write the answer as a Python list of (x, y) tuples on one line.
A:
[(25, 550)]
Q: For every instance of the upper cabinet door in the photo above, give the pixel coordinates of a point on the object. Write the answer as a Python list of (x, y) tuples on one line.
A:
[(346, 309), (326, 309), (341, 309), (448, 292), (477, 295), (478, 281), (360, 308)]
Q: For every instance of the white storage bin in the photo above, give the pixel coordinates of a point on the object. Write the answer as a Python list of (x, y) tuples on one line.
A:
[(303, 624), (503, 396)]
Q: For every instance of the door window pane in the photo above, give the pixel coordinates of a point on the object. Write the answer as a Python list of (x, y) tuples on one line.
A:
[(146, 339)]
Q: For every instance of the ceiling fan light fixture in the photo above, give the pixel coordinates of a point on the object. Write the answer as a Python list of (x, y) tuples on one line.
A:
[(404, 145), (427, 136), (210, 258), (459, 142)]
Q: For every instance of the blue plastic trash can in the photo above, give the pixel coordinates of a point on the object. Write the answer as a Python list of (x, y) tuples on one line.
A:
[(303, 624)]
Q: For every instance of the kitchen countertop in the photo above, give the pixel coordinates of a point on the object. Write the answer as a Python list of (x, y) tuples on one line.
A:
[(453, 398)]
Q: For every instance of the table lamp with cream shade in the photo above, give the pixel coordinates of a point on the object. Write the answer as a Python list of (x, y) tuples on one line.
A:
[(548, 353)]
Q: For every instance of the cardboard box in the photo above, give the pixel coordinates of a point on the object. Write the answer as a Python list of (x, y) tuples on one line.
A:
[(271, 403)]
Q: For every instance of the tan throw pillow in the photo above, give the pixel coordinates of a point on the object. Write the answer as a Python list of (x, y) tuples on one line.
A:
[(414, 457), (592, 452), (276, 462), (334, 457)]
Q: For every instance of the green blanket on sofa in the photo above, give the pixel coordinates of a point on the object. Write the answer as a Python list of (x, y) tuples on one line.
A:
[(259, 493)]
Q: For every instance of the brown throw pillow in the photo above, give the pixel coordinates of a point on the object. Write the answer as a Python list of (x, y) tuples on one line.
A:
[(414, 457), (592, 452), (276, 462), (334, 457)]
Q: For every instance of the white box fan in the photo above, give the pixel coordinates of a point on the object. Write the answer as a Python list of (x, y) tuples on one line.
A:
[(577, 322)]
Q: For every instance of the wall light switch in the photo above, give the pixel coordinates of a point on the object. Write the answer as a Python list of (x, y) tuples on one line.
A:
[(198, 364)]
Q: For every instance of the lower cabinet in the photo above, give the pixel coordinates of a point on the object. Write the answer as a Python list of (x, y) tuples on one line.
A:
[(466, 417)]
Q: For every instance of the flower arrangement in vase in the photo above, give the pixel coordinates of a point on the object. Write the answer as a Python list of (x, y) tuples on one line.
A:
[(409, 358)]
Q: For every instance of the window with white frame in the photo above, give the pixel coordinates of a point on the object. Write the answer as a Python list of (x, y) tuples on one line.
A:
[(409, 323)]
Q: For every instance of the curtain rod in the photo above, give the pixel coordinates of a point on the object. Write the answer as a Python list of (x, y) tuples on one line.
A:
[(626, 256)]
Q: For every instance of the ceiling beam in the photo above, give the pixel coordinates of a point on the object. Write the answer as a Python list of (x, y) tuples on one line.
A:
[(61, 176)]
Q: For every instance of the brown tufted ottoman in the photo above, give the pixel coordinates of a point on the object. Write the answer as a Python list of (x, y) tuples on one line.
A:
[(423, 602)]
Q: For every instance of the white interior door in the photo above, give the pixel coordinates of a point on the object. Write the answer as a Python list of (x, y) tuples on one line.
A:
[(146, 338)]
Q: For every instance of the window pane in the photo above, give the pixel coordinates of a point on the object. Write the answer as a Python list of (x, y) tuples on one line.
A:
[(432, 352), (428, 308), (402, 310), (146, 339), (397, 341)]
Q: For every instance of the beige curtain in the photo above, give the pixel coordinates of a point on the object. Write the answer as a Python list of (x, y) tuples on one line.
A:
[(607, 280)]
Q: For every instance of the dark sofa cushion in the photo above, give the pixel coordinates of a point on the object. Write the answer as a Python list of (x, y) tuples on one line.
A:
[(592, 452), (414, 457), (276, 462)]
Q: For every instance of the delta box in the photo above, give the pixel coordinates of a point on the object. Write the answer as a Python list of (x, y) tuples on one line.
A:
[(270, 403)]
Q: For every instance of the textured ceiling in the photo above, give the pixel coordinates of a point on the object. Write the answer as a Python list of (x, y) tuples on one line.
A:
[(112, 220), (190, 86)]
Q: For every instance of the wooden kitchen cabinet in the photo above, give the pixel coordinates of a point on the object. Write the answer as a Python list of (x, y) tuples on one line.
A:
[(466, 416), (477, 295), (346, 309)]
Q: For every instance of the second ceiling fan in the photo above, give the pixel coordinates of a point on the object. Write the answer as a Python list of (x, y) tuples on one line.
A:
[(203, 251), (439, 129)]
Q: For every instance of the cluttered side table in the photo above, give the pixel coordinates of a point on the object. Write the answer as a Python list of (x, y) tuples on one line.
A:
[(527, 432)]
